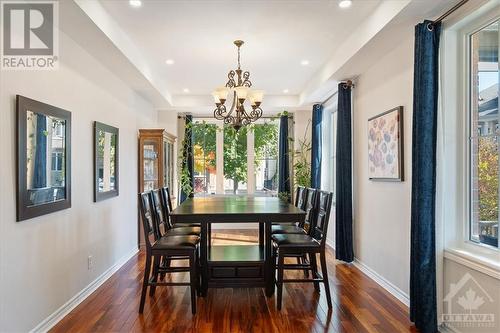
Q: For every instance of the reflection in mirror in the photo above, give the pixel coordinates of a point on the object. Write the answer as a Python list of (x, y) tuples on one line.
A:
[(106, 148), (105, 161), (45, 167)]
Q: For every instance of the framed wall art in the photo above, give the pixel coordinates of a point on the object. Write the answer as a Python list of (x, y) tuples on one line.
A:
[(385, 146)]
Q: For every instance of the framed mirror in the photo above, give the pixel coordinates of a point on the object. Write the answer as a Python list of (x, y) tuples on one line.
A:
[(43, 158), (105, 161)]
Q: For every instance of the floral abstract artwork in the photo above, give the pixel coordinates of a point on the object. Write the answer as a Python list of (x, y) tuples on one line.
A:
[(385, 146)]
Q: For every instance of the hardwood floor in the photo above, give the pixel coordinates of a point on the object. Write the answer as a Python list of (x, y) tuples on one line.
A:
[(360, 305)]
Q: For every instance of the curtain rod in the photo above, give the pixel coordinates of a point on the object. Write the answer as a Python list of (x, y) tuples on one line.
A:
[(446, 14), (348, 83)]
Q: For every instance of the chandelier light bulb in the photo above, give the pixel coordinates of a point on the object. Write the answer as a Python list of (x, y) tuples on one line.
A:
[(241, 92), (215, 95), (258, 95), (222, 93)]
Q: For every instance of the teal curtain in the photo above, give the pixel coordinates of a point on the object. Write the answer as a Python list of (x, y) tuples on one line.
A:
[(187, 161), (284, 159), (343, 178), (317, 116), (423, 195)]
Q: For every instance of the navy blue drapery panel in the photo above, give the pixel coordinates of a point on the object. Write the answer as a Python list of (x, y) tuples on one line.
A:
[(423, 191), (188, 161), (343, 178), (40, 163), (283, 158), (317, 116)]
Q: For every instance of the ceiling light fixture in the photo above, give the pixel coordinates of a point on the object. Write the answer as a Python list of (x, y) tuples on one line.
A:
[(345, 3), (186, 90), (169, 61), (285, 91), (135, 3), (304, 62), (240, 85)]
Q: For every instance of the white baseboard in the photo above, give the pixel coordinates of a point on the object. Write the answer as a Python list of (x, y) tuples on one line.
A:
[(379, 279), (66, 308), (383, 282)]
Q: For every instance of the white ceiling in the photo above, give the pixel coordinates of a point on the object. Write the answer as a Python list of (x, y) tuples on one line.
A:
[(198, 36), (278, 34)]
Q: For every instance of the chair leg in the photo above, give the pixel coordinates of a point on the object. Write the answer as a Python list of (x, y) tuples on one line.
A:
[(156, 266), (324, 271), (314, 265), (193, 281), (281, 261), (165, 263), (209, 234), (304, 261), (147, 270)]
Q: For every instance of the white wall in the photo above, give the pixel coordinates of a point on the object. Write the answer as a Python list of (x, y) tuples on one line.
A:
[(43, 261), (382, 209)]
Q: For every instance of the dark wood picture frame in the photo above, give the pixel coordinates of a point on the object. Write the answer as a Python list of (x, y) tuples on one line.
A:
[(99, 196), (399, 110), (24, 210)]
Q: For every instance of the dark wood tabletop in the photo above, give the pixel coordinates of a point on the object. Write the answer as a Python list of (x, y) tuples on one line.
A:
[(236, 209)]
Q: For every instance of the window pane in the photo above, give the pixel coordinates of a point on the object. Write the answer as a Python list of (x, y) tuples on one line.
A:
[(266, 158), (235, 160), (204, 137), (485, 135)]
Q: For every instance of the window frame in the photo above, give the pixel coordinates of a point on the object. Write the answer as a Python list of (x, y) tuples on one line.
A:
[(466, 38), (453, 151)]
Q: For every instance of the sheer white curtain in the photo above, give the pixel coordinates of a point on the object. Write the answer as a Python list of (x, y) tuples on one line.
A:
[(329, 130)]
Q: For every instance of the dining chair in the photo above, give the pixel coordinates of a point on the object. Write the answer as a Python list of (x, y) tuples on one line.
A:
[(299, 227), (308, 205), (298, 202), (312, 243), (166, 204), (162, 215), (157, 247)]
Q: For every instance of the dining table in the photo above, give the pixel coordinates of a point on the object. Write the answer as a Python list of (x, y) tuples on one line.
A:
[(237, 265)]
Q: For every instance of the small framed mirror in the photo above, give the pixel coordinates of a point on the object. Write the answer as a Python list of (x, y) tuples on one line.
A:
[(105, 161), (43, 158)]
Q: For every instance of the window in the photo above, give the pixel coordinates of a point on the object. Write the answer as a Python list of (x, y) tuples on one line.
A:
[(204, 156), (484, 135), (57, 161), (329, 131), (266, 136), (249, 156)]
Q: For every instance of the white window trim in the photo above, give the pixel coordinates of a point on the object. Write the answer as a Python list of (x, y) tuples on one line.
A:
[(453, 182)]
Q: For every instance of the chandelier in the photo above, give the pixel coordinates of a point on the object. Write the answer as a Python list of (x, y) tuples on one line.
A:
[(239, 84)]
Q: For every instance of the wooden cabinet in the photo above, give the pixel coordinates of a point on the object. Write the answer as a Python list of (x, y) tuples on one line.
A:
[(156, 164)]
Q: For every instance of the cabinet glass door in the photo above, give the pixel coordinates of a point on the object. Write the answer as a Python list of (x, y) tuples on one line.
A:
[(151, 177)]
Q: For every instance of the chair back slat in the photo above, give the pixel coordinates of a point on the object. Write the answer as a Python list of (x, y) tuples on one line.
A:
[(309, 208), (323, 205), (159, 212), (166, 205), (300, 197), (168, 198), (147, 217)]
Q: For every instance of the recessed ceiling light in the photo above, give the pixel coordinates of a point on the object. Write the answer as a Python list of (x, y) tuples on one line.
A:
[(285, 91), (345, 3), (304, 62), (135, 3), (186, 90), (169, 61)]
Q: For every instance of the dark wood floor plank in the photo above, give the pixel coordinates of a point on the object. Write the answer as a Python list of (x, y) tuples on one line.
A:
[(359, 304)]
